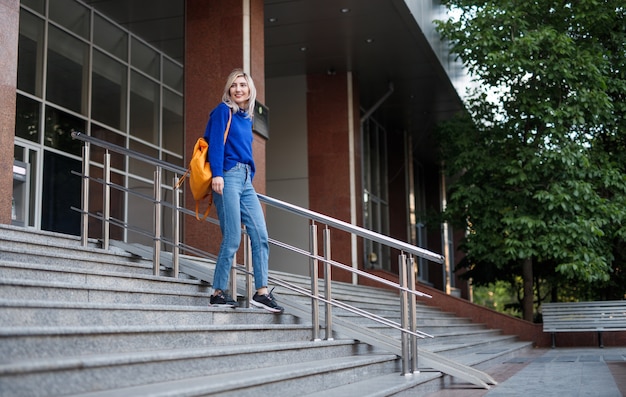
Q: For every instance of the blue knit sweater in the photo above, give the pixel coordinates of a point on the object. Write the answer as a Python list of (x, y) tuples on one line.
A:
[(238, 148)]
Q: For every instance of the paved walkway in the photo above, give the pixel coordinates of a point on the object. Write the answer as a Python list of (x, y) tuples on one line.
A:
[(563, 372)]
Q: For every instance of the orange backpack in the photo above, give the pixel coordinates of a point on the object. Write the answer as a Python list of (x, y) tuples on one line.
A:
[(200, 175)]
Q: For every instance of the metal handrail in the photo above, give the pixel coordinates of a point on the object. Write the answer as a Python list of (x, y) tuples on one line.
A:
[(407, 277), (353, 229)]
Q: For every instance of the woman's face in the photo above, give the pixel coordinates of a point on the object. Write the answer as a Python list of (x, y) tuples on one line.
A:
[(240, 92)]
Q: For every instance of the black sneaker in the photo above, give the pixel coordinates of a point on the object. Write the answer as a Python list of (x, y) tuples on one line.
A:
[(266, 302), (223, 300)]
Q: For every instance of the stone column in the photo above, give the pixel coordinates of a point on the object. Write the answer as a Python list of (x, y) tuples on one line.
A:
[(334, 159), (9, 26), (220, 35)]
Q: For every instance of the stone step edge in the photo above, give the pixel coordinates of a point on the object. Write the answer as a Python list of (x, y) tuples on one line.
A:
[(13, 231), (95, 255), (108, 288), (7, 331), (381, 385), (214, 384), (22, 367), (65, 305), (103, 273), (474, 359)]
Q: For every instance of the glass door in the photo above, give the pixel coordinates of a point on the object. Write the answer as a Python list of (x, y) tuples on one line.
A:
[(375, 193), (25, 174)]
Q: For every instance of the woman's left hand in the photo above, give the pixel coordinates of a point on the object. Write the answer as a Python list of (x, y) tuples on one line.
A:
[(218, 184)]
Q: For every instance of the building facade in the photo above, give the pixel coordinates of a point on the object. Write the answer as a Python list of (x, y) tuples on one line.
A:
[(354, 91)]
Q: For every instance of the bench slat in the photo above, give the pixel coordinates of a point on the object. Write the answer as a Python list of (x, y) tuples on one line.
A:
[(584, 317)]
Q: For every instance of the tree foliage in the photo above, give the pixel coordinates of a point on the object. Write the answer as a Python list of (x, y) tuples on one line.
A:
[(539, 172)]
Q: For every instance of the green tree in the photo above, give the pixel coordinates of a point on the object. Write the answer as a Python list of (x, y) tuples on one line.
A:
[(538, 178)]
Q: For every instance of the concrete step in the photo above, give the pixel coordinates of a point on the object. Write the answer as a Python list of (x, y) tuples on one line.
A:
[(47, 248), (77, 257), (484, 354), (432, 320), (23, 343), (69, 274), (19, 235), (79, 319), (418, 384), (68, 292), (87, 373), (286, 379), (453, 338), (30, 313)]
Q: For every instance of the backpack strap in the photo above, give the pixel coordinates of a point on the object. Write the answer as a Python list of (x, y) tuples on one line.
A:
[(181, 180)]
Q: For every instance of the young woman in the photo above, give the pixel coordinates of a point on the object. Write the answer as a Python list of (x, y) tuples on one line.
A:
[(234, 196)]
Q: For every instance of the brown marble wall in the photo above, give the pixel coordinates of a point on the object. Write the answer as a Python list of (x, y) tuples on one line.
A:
[(9, 33), (213, 48), (329, 156)]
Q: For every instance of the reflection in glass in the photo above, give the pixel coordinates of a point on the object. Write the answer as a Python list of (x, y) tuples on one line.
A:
[(116, 204), (35, 5), (172, 122), (67, 57), (110, 38), (27, 119), (138, 167), (145, 58), (61, 192), (144, 108), (140, 212), (72, 15), (172, 75), (58, 133), (108, 91), (97, 152), (30, 54)]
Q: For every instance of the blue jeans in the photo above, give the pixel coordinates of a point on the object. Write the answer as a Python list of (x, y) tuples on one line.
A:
[(239, 204)]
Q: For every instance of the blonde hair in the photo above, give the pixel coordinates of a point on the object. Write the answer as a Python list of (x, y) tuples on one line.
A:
[(251, 99)]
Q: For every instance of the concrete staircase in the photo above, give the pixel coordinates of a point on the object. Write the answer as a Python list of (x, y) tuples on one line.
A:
[(84, 321)]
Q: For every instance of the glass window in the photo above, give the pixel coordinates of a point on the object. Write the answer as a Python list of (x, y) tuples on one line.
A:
[(33, 160), (97, 152), (140, 211), (138, 167), (116, 203), (375, 206), (35, 5), (72, 15), (172, 75), (144, 108), (169, 175), (110, 38), (172, 159), (30, 53), (27, 118), (108, 91), (67, 59), (172, 122), (61, 192), (59, 127), (145, 58)]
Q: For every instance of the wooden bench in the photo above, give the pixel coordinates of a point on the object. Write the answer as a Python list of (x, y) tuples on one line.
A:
[(583, 317)]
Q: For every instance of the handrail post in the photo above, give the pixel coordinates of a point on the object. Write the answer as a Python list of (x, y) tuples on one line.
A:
[(327, 285), (233, 278), (175, 228), (106, 200), (156, 259), (412, 314), (84, 220), (313, 268), (404, 313), (247, 253)]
